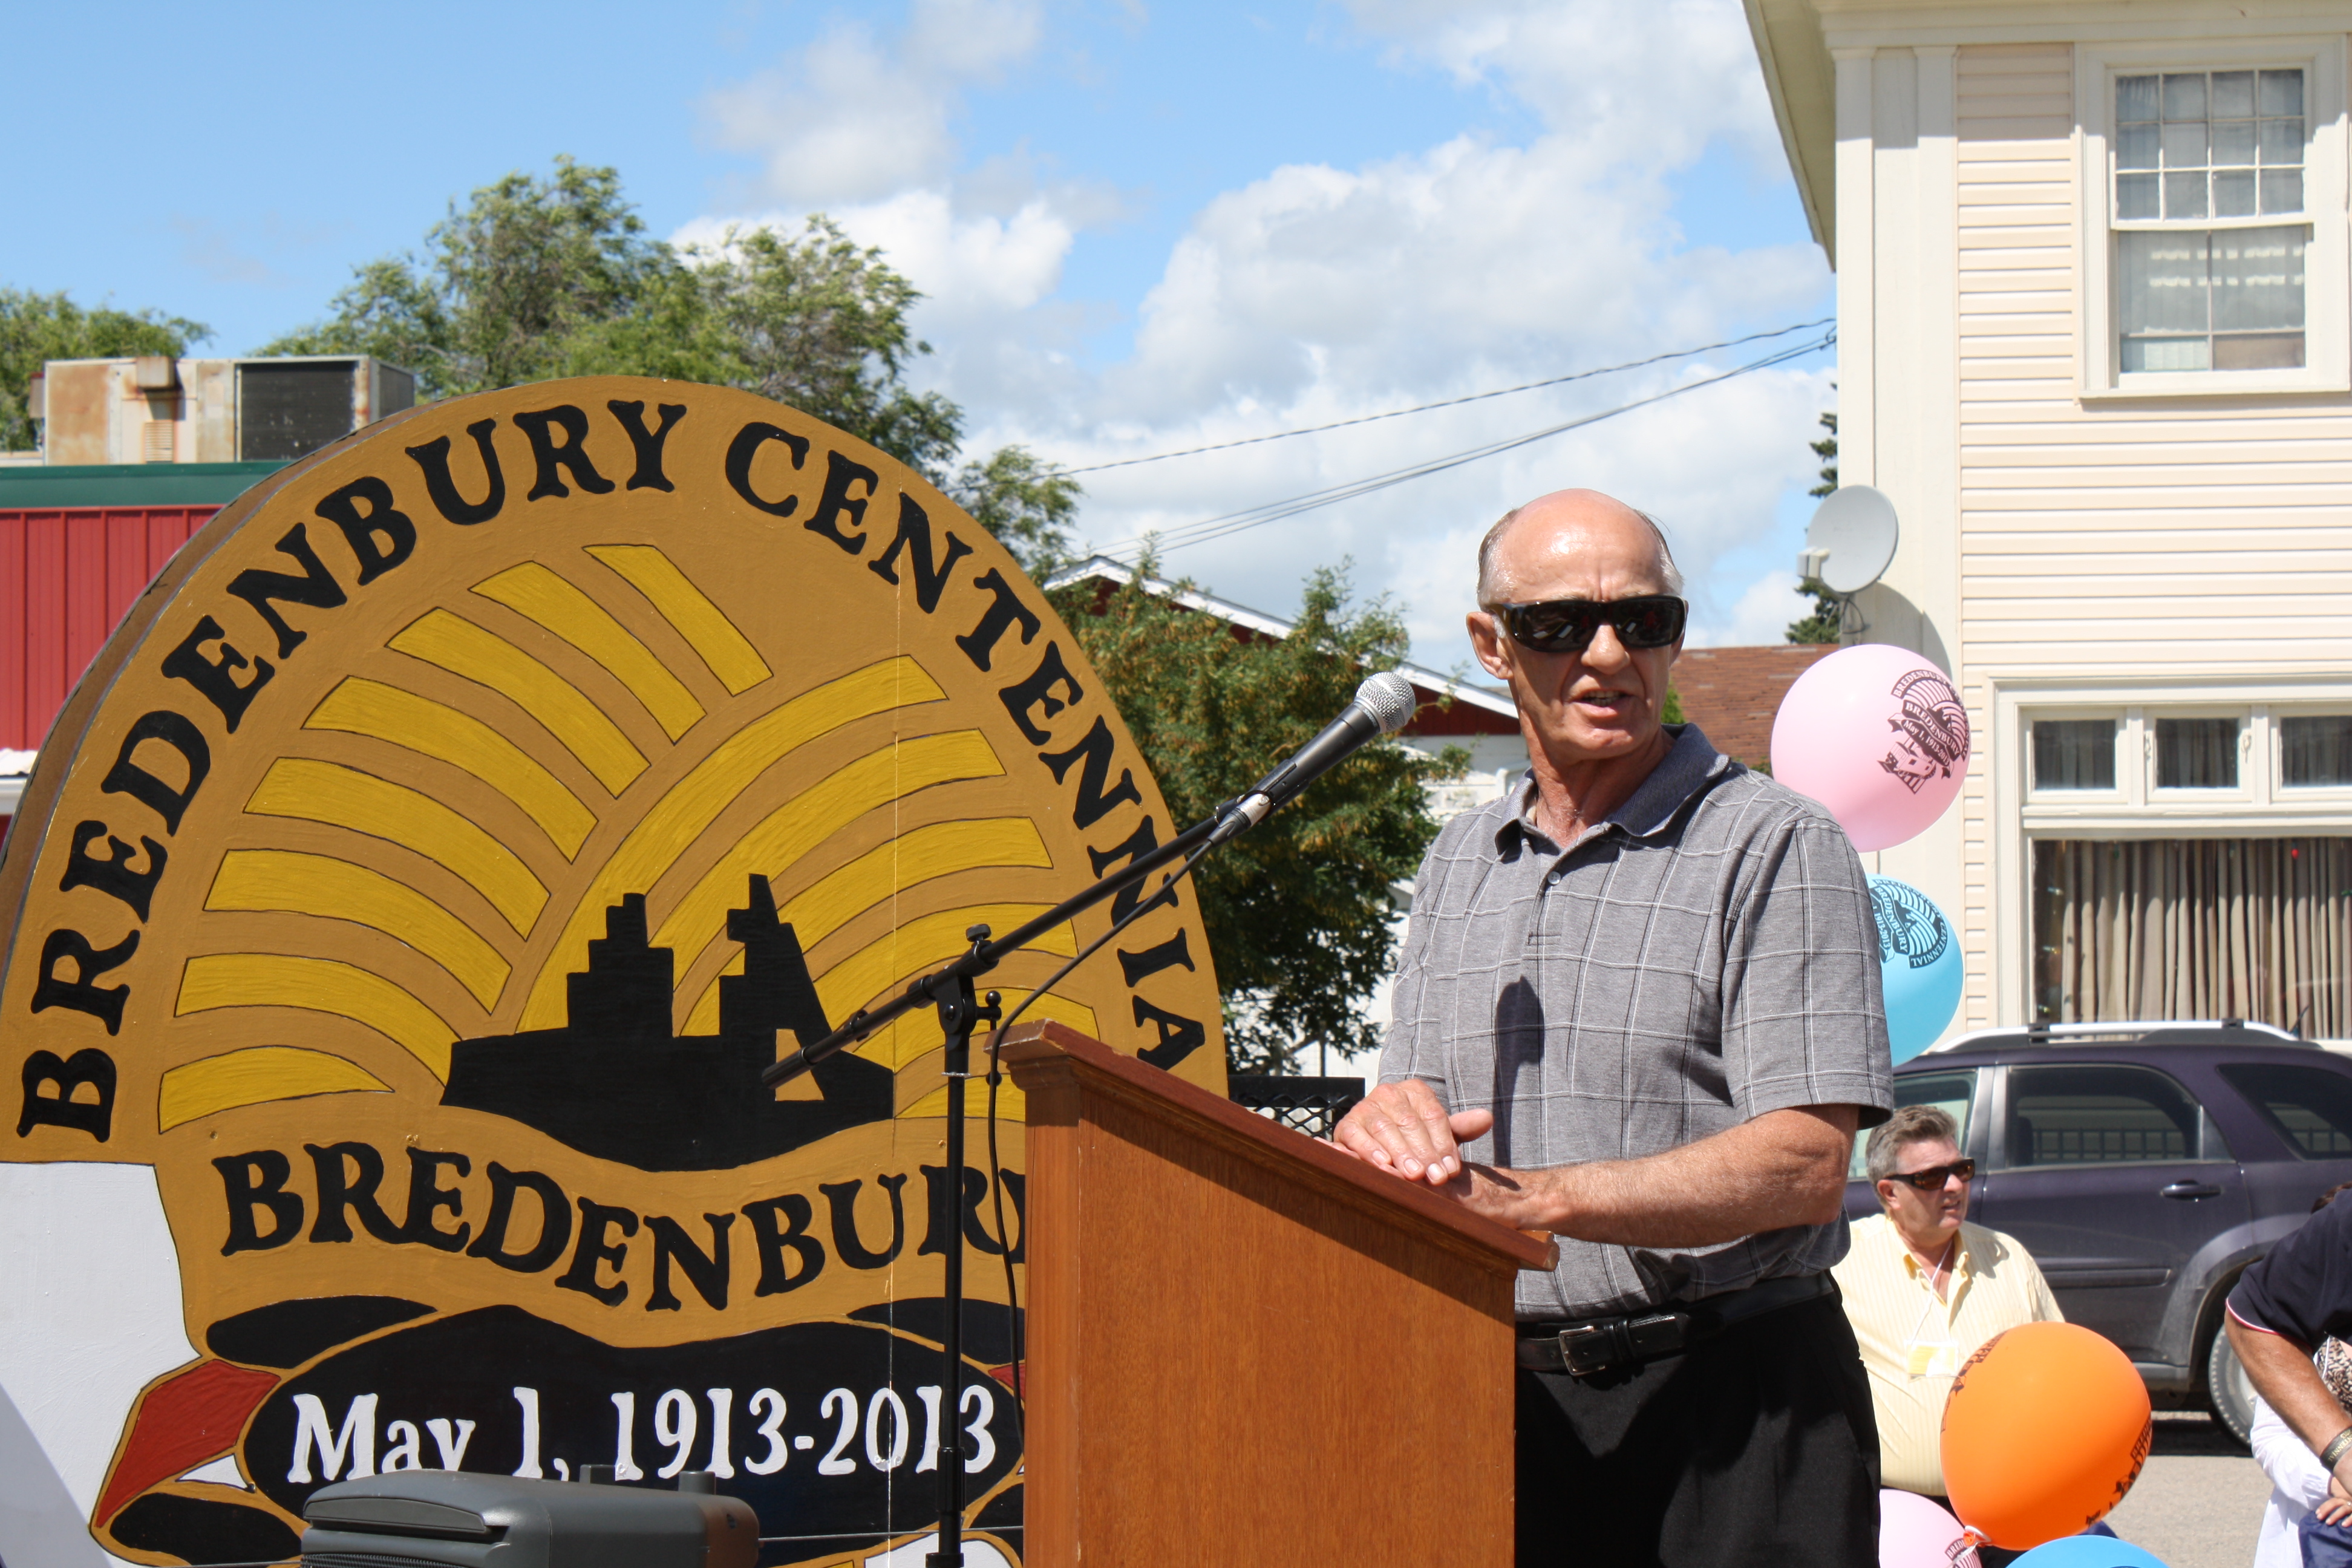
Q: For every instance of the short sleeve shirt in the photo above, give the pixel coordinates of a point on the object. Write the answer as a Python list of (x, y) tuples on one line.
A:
[(2303, 1286), (1705, 955)]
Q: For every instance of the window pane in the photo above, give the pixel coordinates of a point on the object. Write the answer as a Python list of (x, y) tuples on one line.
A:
[(2282, 92), (2194, 928), (2163, 282), (2197, 753), (2311, 1107), (2258, 351), (2184, 196), (1953, 1093), (2074, 754), (2281, 191), (2184, 146), (2135, 147), (2233, 193), (2167, 354), (2257, 279), (2233, 95), (2184, 97), (2135, 197), (2233, 141), (2134, 98), (2315, 750), (2098, 1115), (2282, 141)]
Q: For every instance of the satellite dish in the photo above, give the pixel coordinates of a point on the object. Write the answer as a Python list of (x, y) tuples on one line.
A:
[(1851, 538)]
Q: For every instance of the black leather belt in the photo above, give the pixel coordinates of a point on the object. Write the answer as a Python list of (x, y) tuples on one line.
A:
[(1589, 1346)]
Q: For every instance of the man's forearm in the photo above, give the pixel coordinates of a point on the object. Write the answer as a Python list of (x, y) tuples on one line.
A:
[(1784, 1168), (2283, 1375)]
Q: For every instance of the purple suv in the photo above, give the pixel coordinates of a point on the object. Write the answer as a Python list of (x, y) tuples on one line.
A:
[(2144, 1166)]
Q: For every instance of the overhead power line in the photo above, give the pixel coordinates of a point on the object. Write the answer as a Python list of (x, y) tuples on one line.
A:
[(1450, 402), (1192, 533)]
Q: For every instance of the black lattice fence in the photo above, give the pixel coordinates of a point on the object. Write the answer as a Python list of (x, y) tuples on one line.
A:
[(1309, 1105)]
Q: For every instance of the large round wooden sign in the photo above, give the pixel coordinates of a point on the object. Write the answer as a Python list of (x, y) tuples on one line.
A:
[(418, 883)]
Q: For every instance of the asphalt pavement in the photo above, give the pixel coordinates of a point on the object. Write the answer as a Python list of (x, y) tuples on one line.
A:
[(2198, 1500)]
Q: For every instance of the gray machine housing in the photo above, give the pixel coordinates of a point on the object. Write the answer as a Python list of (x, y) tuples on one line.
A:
[(446, 1519)]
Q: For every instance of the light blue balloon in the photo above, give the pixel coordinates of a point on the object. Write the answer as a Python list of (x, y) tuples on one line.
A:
[(1918, 965), (2088, 1551)]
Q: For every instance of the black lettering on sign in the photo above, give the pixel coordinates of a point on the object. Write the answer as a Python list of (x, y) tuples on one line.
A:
[(103, 1002), (980, 644), (647, 444), (746, 446), (113, 875), (214, 678), (1138, 844), (774, 1242), (1179, 1036), (595, 1220), (1094, 802), (1141, 966), (914, 536), (836, 502), (425, 1196), (554, 1221), (92, 1069), (843, 1198), (253, 1181), (1037, 692), (551, 454), (128, 778), (706, 1271), (433, 457), (356, 1189), (362, 529), (264, 591), (975, 1192)]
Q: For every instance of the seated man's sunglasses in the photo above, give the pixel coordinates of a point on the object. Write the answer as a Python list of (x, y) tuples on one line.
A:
[(1567, 626), (1933, 1178)]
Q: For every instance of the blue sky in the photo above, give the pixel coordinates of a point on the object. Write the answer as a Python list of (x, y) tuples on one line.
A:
[(1141, 227)]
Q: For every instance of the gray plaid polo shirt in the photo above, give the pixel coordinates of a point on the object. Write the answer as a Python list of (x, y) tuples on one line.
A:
[(1704, 955)]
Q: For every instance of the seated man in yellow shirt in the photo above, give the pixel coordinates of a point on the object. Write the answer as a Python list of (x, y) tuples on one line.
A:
[(1923, 1289)]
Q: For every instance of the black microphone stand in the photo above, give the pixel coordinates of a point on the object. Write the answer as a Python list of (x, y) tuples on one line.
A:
[(952, 992)]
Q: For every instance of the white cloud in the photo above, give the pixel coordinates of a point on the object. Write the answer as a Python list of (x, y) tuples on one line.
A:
[(1762, 613), (1316, 293), (855, 117)]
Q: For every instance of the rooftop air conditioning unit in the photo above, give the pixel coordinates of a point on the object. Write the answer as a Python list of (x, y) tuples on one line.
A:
[(288, 408)]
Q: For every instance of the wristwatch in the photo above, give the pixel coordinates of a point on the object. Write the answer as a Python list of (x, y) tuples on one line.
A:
[(2335, 1450)]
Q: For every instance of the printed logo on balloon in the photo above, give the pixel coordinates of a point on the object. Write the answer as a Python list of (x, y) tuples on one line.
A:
[(1831, 742)]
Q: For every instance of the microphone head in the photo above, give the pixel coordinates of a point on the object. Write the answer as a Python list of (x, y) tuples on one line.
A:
[(1388, 698)]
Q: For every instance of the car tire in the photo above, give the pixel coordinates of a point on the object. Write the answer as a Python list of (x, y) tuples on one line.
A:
[(2229, 1392)]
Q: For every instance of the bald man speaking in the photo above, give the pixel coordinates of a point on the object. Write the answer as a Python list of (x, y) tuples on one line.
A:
[(1638, 1007)]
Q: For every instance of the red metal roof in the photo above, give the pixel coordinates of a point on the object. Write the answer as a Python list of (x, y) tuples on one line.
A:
[(66, 576)]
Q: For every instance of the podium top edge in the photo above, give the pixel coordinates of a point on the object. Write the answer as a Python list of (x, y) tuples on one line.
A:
[(1032, 1045)]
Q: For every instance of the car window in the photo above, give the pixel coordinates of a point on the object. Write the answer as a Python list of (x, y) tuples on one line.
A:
[(2309, 1107), (2098, 1115), (1953, 1093)]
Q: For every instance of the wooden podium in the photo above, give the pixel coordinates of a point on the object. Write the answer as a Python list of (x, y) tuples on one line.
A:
[(1243, 1346)]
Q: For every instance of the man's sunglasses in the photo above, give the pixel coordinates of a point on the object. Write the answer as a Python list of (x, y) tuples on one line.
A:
[(1933, 1178), (1567, 626)]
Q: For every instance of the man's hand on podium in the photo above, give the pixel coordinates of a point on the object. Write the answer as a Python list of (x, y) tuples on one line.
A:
[(1403, 1127)]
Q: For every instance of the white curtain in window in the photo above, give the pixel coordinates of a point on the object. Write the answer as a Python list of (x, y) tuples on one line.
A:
[(2213, 928)]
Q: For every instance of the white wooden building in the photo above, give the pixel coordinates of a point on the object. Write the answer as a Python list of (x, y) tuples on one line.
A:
[(2095, 342)]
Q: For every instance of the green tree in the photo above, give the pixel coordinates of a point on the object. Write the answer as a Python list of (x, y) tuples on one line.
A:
[(538, 278), (1299, 909), (38, 328), (1821, 624)]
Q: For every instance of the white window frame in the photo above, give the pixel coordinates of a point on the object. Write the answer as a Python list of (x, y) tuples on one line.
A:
[(2327, 280), (2136, 808)]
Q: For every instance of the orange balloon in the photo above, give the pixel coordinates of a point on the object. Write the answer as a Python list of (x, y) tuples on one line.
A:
[(2045, 1430)]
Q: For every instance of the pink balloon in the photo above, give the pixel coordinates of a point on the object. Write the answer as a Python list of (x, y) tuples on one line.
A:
[(1878, 735), (1913, 1532)]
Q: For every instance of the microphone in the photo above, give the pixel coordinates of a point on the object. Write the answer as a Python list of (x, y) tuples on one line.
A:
[(1382, 705)]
